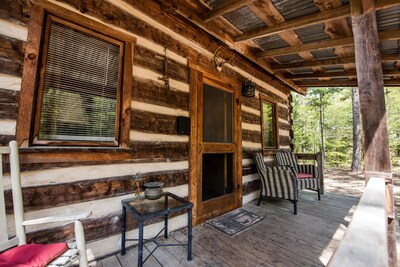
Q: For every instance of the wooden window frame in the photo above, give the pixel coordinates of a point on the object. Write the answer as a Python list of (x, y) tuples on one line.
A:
[(263, 99), (30, 102)]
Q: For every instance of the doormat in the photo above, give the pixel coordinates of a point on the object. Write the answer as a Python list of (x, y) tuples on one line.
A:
[(235, 221)]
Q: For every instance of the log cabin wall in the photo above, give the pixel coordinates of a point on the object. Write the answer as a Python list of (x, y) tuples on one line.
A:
[(56, 180)]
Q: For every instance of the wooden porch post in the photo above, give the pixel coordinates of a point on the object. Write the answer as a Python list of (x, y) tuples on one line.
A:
[(372, 104)]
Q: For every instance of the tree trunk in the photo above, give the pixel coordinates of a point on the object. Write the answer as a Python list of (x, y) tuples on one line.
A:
[(321, 123), (356, 161)]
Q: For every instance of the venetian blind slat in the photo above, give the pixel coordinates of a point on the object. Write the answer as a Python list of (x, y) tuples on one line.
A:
[(80, 87)]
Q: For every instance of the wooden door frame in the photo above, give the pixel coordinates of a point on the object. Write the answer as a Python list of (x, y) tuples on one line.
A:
[(197, 76)]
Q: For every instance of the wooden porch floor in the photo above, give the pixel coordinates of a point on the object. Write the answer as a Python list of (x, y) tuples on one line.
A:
[(280, 239)]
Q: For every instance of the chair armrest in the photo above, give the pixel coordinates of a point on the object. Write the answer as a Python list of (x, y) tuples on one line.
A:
[(309, 169), (52, 219)]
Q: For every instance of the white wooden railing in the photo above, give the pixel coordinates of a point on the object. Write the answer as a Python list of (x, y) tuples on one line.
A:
[(366, 240)]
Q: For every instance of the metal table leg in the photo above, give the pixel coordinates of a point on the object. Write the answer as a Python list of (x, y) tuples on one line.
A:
[(166, 218), (140, 245), (189, 235), (123, 230)]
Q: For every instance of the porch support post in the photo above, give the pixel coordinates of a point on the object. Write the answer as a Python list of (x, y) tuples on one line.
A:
[(372, 104)]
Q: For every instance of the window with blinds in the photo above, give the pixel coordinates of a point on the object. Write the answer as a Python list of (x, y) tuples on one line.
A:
[(269, 123), (79, 88)]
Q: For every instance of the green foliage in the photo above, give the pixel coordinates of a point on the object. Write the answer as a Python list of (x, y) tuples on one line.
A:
[(393, 110), (337, 123), (334, 104)]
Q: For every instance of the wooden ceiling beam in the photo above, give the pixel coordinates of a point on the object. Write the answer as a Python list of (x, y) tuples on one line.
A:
[(343, 11), (329, 62), (320, 45), (385, 4), (268, 13), (385, 35), (188, 13), (336, 74), (323, 16), (309, 64), (224, 8), (336, 29), (341, 83)]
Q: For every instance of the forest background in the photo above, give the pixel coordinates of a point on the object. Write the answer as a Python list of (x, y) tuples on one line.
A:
[(326, 119)]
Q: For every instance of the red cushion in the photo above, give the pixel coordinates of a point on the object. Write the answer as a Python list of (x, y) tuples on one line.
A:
[(304, 175), (32, 255)]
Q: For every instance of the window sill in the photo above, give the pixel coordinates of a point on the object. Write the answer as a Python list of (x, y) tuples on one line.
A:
[(66, 149)]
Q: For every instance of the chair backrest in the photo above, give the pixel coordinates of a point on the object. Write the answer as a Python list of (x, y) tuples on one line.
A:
[(12, 152), (261, 169), (288, 159)]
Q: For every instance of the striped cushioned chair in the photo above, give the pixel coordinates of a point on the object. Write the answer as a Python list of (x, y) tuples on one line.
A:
[(306, 174), (276, 182)]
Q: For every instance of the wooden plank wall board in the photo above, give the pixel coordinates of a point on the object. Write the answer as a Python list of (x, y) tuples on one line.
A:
[(52, 195), (11, 55), (9, 103), (95, 228), (68, 177)]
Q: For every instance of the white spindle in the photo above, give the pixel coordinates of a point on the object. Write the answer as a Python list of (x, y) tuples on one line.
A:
[(3, 218), (17, 193)]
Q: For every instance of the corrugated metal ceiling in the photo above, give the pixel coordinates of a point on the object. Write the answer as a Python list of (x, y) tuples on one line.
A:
[(244, 19), (312, 33), (293, 9)]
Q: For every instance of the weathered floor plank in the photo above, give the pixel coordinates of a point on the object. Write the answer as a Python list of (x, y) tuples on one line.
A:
[(280, 239)]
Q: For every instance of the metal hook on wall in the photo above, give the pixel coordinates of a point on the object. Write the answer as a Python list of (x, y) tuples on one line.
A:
[(165, 77)]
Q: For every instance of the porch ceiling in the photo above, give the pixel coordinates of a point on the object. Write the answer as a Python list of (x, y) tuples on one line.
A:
[(302, 42)]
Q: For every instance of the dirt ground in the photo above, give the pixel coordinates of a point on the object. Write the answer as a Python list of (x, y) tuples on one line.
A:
[(345, 182)]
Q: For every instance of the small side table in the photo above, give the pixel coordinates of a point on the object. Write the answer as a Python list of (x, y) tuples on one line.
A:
[(144, 210)]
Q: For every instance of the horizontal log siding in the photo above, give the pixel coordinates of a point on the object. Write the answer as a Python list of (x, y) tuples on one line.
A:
[(8, 104), (153, 123), (186, 42), (47, 158), (5, 139), (151, 92), (11, 55), (95, 228), (154, 61), (14, 12), (41, 197)]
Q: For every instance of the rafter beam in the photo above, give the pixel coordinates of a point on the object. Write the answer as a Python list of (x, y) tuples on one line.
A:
[(384, 4), (321, 75), (343, 11), (315, 63), (224, 8), (385, 35), (341, 83), (305, 21), (317, 18), (335, 74), (320, 45), (328, 62), (187, 12)]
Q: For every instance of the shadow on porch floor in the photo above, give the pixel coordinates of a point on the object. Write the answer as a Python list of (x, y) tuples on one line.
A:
[(280, 239)]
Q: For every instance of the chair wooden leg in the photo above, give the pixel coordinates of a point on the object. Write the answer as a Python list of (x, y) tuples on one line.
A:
[(295, 207), (319, 194)]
